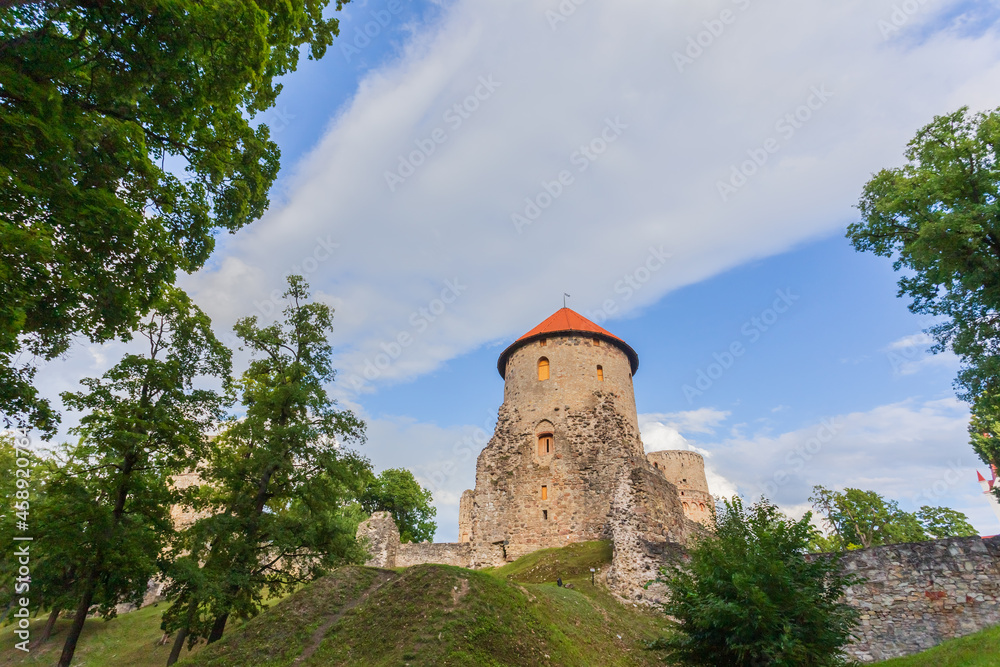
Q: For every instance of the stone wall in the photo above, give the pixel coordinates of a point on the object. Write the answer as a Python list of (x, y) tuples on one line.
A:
[(917, 595), (686, 470), (648, 530), (444, 553), (529, 500)]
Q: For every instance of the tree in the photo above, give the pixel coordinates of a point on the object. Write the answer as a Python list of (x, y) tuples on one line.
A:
[(862, 519), (102, 106), (396, 491), (145, 421), (278, 483), (938, 216), (750, 595)]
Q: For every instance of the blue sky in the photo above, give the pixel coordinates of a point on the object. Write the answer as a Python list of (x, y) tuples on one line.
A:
[(511, 151)]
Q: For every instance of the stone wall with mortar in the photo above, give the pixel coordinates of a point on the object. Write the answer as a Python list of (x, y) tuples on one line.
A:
[(648, 529), (592, 446), (686, 470), (443, 553), (917, 595)]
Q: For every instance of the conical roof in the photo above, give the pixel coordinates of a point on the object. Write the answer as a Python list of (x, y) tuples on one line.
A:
[(566, 320)]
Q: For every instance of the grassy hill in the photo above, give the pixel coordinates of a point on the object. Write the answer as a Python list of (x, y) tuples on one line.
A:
[(423, 615)]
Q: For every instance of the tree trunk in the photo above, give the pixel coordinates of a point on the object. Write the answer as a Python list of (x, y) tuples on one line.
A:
[(49, 624), (175, 651), (69, 648), (182, 633), (218, 627)]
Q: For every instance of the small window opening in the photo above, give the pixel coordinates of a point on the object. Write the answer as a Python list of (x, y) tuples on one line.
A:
[(545, 493), (545, 515), (544, 444), (543, 369), (656, 465), (684, 481), (542, 342), (597, 341), (600, 373)]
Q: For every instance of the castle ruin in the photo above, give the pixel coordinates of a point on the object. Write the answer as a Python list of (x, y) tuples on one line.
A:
[(566, 462)]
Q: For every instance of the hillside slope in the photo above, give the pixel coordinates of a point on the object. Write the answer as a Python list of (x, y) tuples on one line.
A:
[(423, 615), (443, 615)]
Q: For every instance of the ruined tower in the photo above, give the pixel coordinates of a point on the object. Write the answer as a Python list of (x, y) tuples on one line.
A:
[(566, 462)]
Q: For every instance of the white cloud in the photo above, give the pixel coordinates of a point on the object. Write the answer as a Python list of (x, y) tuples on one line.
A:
[(664, 431), (654, 186), (911, 354), (913, 451)]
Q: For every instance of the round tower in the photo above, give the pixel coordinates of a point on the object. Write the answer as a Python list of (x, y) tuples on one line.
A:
[(566, 435), (686, 470)]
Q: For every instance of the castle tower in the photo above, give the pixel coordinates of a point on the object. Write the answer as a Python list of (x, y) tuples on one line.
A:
[(566, 446), (686, 470)]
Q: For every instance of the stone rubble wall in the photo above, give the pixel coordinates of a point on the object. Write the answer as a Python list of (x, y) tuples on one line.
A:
[(918, 595), (648, 529), (443, 553)]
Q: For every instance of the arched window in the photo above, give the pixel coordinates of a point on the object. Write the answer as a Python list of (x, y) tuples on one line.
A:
[(543, 369), (600, 373), (686, 507), (656, 465), (545, 492), (544, 444)]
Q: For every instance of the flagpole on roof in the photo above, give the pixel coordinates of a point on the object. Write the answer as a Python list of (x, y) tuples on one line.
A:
[(564, 299)]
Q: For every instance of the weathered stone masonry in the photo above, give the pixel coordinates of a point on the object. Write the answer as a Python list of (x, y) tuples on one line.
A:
[(917, 595)]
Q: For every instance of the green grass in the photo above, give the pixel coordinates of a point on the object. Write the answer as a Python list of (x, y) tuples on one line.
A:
[(423, 615), (981, 649), (130, 639), (571, 562)]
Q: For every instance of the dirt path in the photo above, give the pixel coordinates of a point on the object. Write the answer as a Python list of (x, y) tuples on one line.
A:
[(320, 632)]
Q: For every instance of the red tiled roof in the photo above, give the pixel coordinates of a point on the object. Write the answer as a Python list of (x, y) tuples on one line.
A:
[(565, 320)]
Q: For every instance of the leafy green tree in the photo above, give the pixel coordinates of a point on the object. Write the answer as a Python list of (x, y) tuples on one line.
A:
[(750, 596), (862, 519), (396, 491), (942, 522), (938, 216), (144, 421), (278, 484), (103, 105)]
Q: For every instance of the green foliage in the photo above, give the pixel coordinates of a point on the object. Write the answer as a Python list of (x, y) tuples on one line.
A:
[(396, 491), (750, 596), (939, 217), (279, 488), (862, 519), (145, 420), (127, 142)]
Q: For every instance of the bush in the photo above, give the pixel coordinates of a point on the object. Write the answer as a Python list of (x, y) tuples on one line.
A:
[(750, 596)]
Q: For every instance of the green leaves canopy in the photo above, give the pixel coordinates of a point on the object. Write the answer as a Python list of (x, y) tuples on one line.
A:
[(861, 519), (102, 105), (396, 491), (749, 595)]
